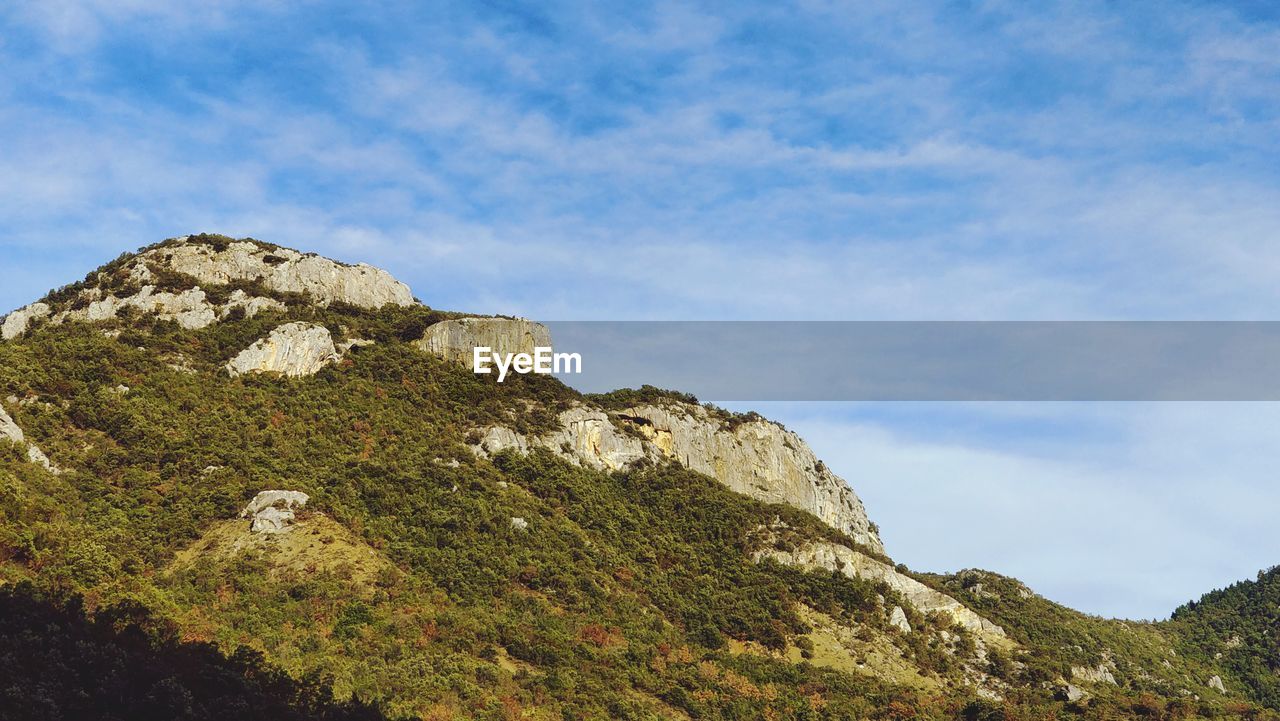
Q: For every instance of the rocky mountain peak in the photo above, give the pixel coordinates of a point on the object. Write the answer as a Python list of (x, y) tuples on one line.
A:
[(214, 260), (198, 280)]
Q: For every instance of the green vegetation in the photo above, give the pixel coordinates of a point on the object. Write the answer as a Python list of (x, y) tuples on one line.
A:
[(631, 595), (59, 664), (1242, 623), (625, 398)]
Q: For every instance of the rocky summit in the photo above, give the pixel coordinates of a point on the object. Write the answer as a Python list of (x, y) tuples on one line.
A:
[(227, 462), (170, 281)]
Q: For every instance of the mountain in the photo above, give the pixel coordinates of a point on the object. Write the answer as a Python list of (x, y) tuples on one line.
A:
[(231, 460)]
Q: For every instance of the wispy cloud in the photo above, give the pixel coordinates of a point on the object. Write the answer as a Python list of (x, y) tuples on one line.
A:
[(816, 159), (1124, 510)]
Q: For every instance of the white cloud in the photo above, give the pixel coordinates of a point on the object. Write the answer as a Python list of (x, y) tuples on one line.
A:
[(1135, 510)]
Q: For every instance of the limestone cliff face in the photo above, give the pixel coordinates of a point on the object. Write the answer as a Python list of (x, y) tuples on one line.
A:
[(293, 349), (589, 435), (16, 323), (756, 458), (832, 557), (282, 270), (455, 339)]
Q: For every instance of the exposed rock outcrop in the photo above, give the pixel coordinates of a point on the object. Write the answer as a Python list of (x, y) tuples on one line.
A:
[(250, 304), (10, 430), (1215, 682), (455, 340), (1075, 694), (190, 308), (1102, 673), (145, 284), (756, 458), (281, 270), (293, 349), (585, 436), (274, 511), (824, 556), (17, 322), (898, 619)]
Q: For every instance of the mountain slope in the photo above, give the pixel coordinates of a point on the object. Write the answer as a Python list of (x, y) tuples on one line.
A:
[(472, 549), (57, 664), (1239, 626)]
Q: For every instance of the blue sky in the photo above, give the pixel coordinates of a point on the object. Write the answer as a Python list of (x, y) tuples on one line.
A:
[(812, 160)]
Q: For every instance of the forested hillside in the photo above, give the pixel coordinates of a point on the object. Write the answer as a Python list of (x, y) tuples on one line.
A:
[(1240, 626), (428, 577)]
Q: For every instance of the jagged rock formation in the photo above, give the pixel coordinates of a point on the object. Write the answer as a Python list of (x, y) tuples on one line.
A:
[(455, 339), (839, 559), (293, 349), (190, 308), (756, 458), (17, 322), (281, 270), (10, 430), (274, 511), (137, 285)]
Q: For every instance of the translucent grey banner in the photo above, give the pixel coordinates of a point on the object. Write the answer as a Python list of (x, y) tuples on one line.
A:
[(930, 360)]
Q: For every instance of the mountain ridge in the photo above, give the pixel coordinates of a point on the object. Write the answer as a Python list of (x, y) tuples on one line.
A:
[(620, 555)]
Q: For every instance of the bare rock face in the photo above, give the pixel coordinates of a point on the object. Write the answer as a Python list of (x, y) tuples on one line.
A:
[(16, 323), (898, 619), (293, 349), (283, 270), (1075, 694), (757, 458), (1102, 673), (144, 284), (455, 340), (831, 557), (190, 308), (10, 430), (590, 437), (250, 304), (274, 511)]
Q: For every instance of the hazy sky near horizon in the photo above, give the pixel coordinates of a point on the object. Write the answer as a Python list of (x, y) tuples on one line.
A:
[(806, 160)]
